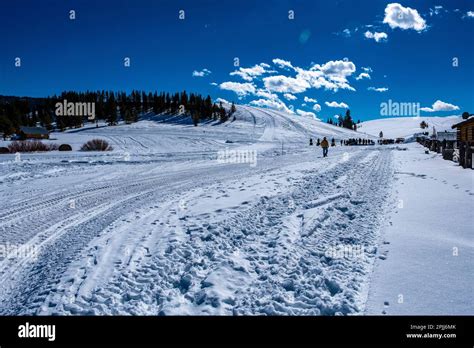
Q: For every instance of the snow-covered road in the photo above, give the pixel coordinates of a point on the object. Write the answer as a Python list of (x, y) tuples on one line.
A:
[(170, 230)]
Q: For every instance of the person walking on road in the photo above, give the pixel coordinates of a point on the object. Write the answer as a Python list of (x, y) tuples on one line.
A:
[(325, 146)]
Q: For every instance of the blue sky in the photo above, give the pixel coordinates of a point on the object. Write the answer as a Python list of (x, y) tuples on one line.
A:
[(406, 48)]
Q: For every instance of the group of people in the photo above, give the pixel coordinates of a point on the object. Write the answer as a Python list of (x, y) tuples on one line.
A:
[(359, 141), (348, 142)]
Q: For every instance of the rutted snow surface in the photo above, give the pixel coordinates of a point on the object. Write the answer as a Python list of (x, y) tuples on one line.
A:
[(171, 231)]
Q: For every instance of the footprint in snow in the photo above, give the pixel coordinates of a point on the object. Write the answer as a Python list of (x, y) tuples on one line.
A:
[(386, 307)]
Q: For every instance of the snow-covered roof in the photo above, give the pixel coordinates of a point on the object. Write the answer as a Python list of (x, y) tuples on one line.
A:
[(470, 119), (34, 130)]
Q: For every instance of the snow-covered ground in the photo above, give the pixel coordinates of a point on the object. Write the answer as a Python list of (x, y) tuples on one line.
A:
[(427, 253), (404, 127), (165, 224)]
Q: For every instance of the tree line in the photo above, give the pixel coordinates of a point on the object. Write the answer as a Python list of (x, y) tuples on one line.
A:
[(345, 122), (110, 107)]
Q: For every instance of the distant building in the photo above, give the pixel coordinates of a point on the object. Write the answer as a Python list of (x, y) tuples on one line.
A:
[(34, 133), (448, 136)]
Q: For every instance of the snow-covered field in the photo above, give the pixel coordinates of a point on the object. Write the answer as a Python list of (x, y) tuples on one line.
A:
[(164, 225), (404, 127)]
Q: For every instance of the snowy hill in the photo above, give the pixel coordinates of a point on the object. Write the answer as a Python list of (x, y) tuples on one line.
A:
[(395, 127), (263, 129)]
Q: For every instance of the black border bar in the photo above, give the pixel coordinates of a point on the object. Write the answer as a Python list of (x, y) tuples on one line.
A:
[(391, 330)]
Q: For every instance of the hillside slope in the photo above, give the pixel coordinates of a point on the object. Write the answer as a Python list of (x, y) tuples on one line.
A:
[(395, 127)]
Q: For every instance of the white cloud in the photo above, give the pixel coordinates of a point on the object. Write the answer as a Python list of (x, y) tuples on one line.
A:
[(243, 75), (334, 104), (331, 75), (248, 74), (346, 33), (329, 84), (367, 69), (337, 68), (223, 101), (284, 84), (272, 104), (436, 10), (397, 16), (306, 113), (440, 106), (378, 37), (213, 84), (470, 14), (378, 89), (316, 107), (363, 75), (202, 73), (265, 94), (241, 89), (282, 63)]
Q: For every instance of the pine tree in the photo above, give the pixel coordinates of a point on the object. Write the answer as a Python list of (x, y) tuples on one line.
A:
[(111, 108), (347, 122), (6, 126), (196, 118), (208, 107), (222, 113)]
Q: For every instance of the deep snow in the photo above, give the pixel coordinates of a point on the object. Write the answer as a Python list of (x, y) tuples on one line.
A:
[(160, 226)]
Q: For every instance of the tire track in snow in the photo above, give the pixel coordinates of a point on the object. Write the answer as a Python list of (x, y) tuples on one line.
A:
[(278, 256), (61, 243), (301, 279), (57, 230)]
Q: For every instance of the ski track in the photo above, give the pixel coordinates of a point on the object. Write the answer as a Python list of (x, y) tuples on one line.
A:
[(65, 231), (281, 273), (131, 245)]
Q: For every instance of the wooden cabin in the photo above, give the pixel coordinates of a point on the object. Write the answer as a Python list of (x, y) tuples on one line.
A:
[(465, 139), (34, 133), (465, 130)]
